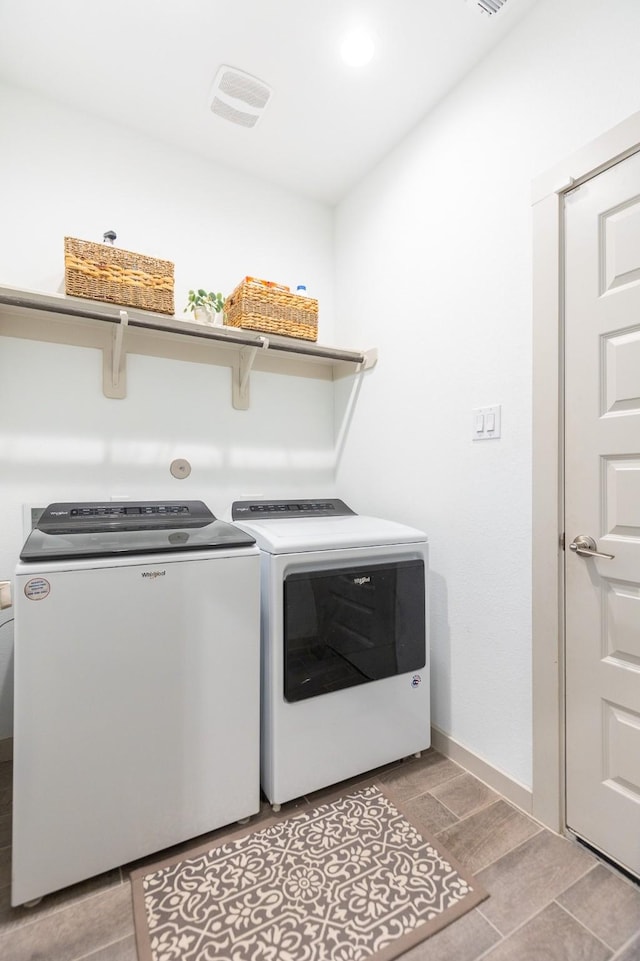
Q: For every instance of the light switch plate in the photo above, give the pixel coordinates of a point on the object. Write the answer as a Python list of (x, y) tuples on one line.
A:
[(486, 423)]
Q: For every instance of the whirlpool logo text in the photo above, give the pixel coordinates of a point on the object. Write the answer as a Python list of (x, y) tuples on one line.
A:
[(153, 574), (362, 580)]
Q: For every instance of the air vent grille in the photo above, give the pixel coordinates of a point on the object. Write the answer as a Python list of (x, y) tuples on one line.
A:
[(238, 97), (245, 88), (491, 6), (228, 112)]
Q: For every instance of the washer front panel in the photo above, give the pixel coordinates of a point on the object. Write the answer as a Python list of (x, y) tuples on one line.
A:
[(136, 709)]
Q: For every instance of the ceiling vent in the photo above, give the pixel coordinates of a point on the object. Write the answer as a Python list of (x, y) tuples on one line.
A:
[(238, 97), (491, 6)]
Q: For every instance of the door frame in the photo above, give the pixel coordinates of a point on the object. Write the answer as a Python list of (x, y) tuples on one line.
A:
[(548, 589)]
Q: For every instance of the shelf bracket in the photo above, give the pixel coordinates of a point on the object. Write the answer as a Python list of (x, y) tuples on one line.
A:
[(241, 371), (114, 380), (370, 359)]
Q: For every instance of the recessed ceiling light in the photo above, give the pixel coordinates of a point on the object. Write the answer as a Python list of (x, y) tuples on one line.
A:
[(357, 48)]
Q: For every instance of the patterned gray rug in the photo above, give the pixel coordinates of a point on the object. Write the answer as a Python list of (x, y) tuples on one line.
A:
[(347, 880)]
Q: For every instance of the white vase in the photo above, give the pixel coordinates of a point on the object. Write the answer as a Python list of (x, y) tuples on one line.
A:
[(204, 315)]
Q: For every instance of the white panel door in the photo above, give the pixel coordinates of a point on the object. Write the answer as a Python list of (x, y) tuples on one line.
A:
[(602, 471)]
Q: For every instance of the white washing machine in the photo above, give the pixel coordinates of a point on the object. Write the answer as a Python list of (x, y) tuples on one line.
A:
[(345, 653), (137, 682)]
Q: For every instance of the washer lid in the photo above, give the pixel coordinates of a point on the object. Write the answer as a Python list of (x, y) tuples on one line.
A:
[(290, 532), (104, 529)]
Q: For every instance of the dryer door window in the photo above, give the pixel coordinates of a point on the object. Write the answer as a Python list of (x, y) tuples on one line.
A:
[(351, 626)]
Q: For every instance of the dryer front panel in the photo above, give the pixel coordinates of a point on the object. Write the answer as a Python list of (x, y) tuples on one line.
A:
[(352, 625), (310, 743)]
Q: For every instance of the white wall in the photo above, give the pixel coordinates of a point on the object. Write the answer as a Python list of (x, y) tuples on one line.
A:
[(433, 266), (433, 254), (62, 173)]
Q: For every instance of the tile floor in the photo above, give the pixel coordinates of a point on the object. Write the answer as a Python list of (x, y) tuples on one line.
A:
[(551, 900)]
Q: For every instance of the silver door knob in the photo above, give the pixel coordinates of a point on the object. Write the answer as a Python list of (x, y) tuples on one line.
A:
[(585, 546)]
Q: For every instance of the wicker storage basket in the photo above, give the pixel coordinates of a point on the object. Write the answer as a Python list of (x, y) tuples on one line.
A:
[(273, 311), (103, 272)]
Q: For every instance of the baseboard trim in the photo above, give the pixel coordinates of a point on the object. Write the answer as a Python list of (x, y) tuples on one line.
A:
[(512, 790)]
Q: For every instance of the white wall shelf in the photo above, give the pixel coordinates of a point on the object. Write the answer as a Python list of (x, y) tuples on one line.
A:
[(119, 331)]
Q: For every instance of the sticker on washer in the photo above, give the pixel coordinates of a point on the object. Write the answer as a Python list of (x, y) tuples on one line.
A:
[(37, 588), (416, 680)]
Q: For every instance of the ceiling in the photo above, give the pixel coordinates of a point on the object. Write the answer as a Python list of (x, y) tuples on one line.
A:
[(150, 65)]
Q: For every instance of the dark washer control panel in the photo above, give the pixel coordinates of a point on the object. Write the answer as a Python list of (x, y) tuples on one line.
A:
[(69, 518), (113, 510), (266, 510)]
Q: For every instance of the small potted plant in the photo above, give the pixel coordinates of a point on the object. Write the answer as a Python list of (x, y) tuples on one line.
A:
[(205, 306)]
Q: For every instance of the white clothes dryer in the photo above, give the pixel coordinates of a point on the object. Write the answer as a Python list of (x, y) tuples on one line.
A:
[(345, 654), (137, 683)]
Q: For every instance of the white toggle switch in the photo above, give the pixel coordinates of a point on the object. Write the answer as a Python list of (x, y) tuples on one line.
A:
[(486, 422)]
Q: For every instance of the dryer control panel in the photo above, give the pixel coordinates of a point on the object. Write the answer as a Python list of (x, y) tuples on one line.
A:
[(263, 510)]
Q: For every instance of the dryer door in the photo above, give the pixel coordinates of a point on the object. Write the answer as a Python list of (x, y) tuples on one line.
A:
[(352, 625)]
